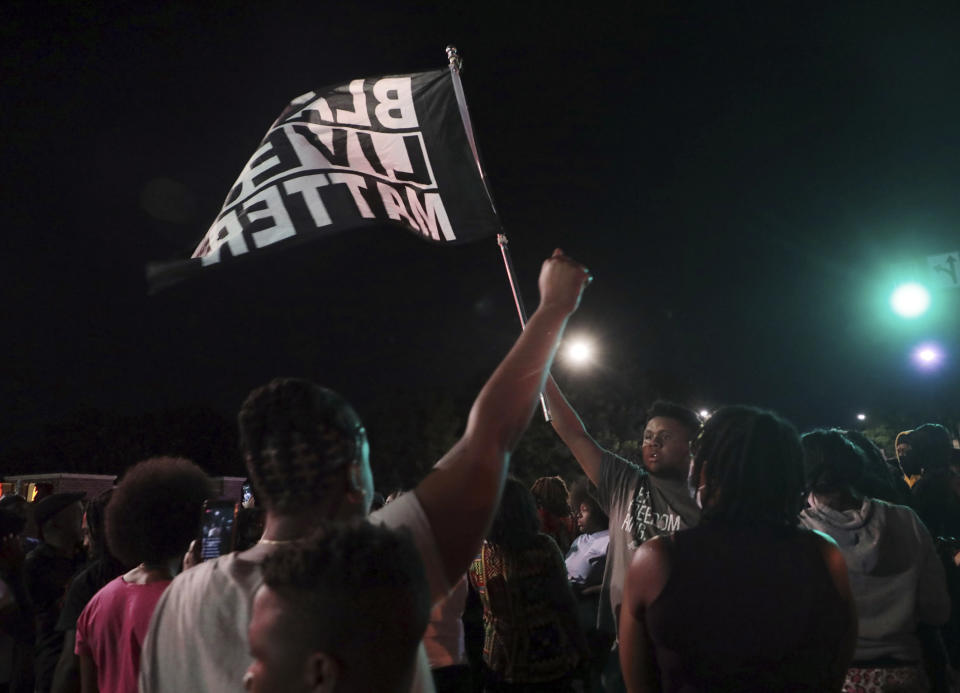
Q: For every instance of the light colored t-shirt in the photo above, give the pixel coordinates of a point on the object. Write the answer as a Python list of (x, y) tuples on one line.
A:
[(443, 638), (198, 635), (584, 552), (111, 630)]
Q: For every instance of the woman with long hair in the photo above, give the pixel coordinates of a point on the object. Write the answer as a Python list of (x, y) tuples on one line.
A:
[(532, 640)]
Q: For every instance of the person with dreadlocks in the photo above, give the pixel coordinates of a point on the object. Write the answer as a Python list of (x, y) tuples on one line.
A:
[(307, 455), (747, 600), (553, 510)]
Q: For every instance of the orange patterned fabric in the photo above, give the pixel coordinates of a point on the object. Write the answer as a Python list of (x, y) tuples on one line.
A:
[(530, 630)]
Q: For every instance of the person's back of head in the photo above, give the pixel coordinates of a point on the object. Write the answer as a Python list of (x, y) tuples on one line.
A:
[(515, 526), (95, 517), (930, 447), (59, 518), (304, 446), (346, 608), (154, 511), (11, 524), (748, 468), (831, 461), (550, 494)]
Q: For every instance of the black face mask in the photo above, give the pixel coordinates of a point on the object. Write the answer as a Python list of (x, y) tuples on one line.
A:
[(910, 463)]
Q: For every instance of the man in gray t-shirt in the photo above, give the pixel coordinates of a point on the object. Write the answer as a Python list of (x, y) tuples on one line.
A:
[(641, 503)]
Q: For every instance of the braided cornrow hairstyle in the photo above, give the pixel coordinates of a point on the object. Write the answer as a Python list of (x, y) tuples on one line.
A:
[(753, 464), (550, 494), (294, 435)]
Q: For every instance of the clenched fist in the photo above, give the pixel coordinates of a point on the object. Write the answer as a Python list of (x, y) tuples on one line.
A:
[(562, 281)]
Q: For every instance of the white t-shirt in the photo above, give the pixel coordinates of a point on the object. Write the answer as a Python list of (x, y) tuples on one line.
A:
[(198, 634), (584, 551), (443, 638)]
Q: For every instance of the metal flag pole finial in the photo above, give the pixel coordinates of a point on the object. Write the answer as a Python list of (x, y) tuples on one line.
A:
[(456, 62)]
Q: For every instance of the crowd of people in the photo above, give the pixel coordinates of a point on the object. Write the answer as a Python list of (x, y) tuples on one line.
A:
[(735, 555)]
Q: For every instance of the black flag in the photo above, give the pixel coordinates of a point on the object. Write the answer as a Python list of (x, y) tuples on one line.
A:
[(385, 149)]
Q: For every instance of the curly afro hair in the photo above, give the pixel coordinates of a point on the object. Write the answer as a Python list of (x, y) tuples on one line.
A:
[(584, 492), (154, 512)]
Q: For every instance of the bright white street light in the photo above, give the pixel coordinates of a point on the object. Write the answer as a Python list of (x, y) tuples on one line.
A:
[(910, 300), (704, 414), (861, 417), (578, 352)]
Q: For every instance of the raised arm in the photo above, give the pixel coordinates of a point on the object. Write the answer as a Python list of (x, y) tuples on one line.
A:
[(461, 494), (572, 432)]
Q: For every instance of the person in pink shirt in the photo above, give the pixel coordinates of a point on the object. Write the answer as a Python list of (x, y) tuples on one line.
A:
[(151, 519)]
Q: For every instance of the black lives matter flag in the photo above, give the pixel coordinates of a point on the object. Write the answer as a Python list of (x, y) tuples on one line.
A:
[(372, 151)]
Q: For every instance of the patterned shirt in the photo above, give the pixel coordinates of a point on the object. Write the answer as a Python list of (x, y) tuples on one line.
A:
[(531, 634)]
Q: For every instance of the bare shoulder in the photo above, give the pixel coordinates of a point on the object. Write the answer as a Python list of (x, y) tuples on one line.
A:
[(650, 570), (820, 541), (832, 557)]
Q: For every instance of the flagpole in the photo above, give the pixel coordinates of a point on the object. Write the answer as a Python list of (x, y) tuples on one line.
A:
[(456, 63)]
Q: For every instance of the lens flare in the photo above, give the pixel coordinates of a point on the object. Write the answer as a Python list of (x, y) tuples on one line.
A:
[(579, 352), (928, 356), (910, 300)]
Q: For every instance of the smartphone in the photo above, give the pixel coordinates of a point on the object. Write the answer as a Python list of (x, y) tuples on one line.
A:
[(246, 493), (217, 528)]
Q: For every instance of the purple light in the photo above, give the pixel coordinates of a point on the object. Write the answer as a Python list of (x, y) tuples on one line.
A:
[(928, 356)]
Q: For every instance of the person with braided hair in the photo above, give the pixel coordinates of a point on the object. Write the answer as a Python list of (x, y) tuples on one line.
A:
[(553, 510), (747, 600), (307, 455)]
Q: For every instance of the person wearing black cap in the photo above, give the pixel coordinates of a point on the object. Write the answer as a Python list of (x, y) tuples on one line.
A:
[(47, 572)]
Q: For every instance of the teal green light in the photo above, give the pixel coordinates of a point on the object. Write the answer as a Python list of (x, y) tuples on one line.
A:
[(910, 300)]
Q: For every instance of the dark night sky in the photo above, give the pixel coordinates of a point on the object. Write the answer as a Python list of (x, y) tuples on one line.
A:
[(741, 178)]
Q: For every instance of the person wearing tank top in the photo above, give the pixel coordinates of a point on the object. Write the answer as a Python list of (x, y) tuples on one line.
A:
[(746, 600)]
